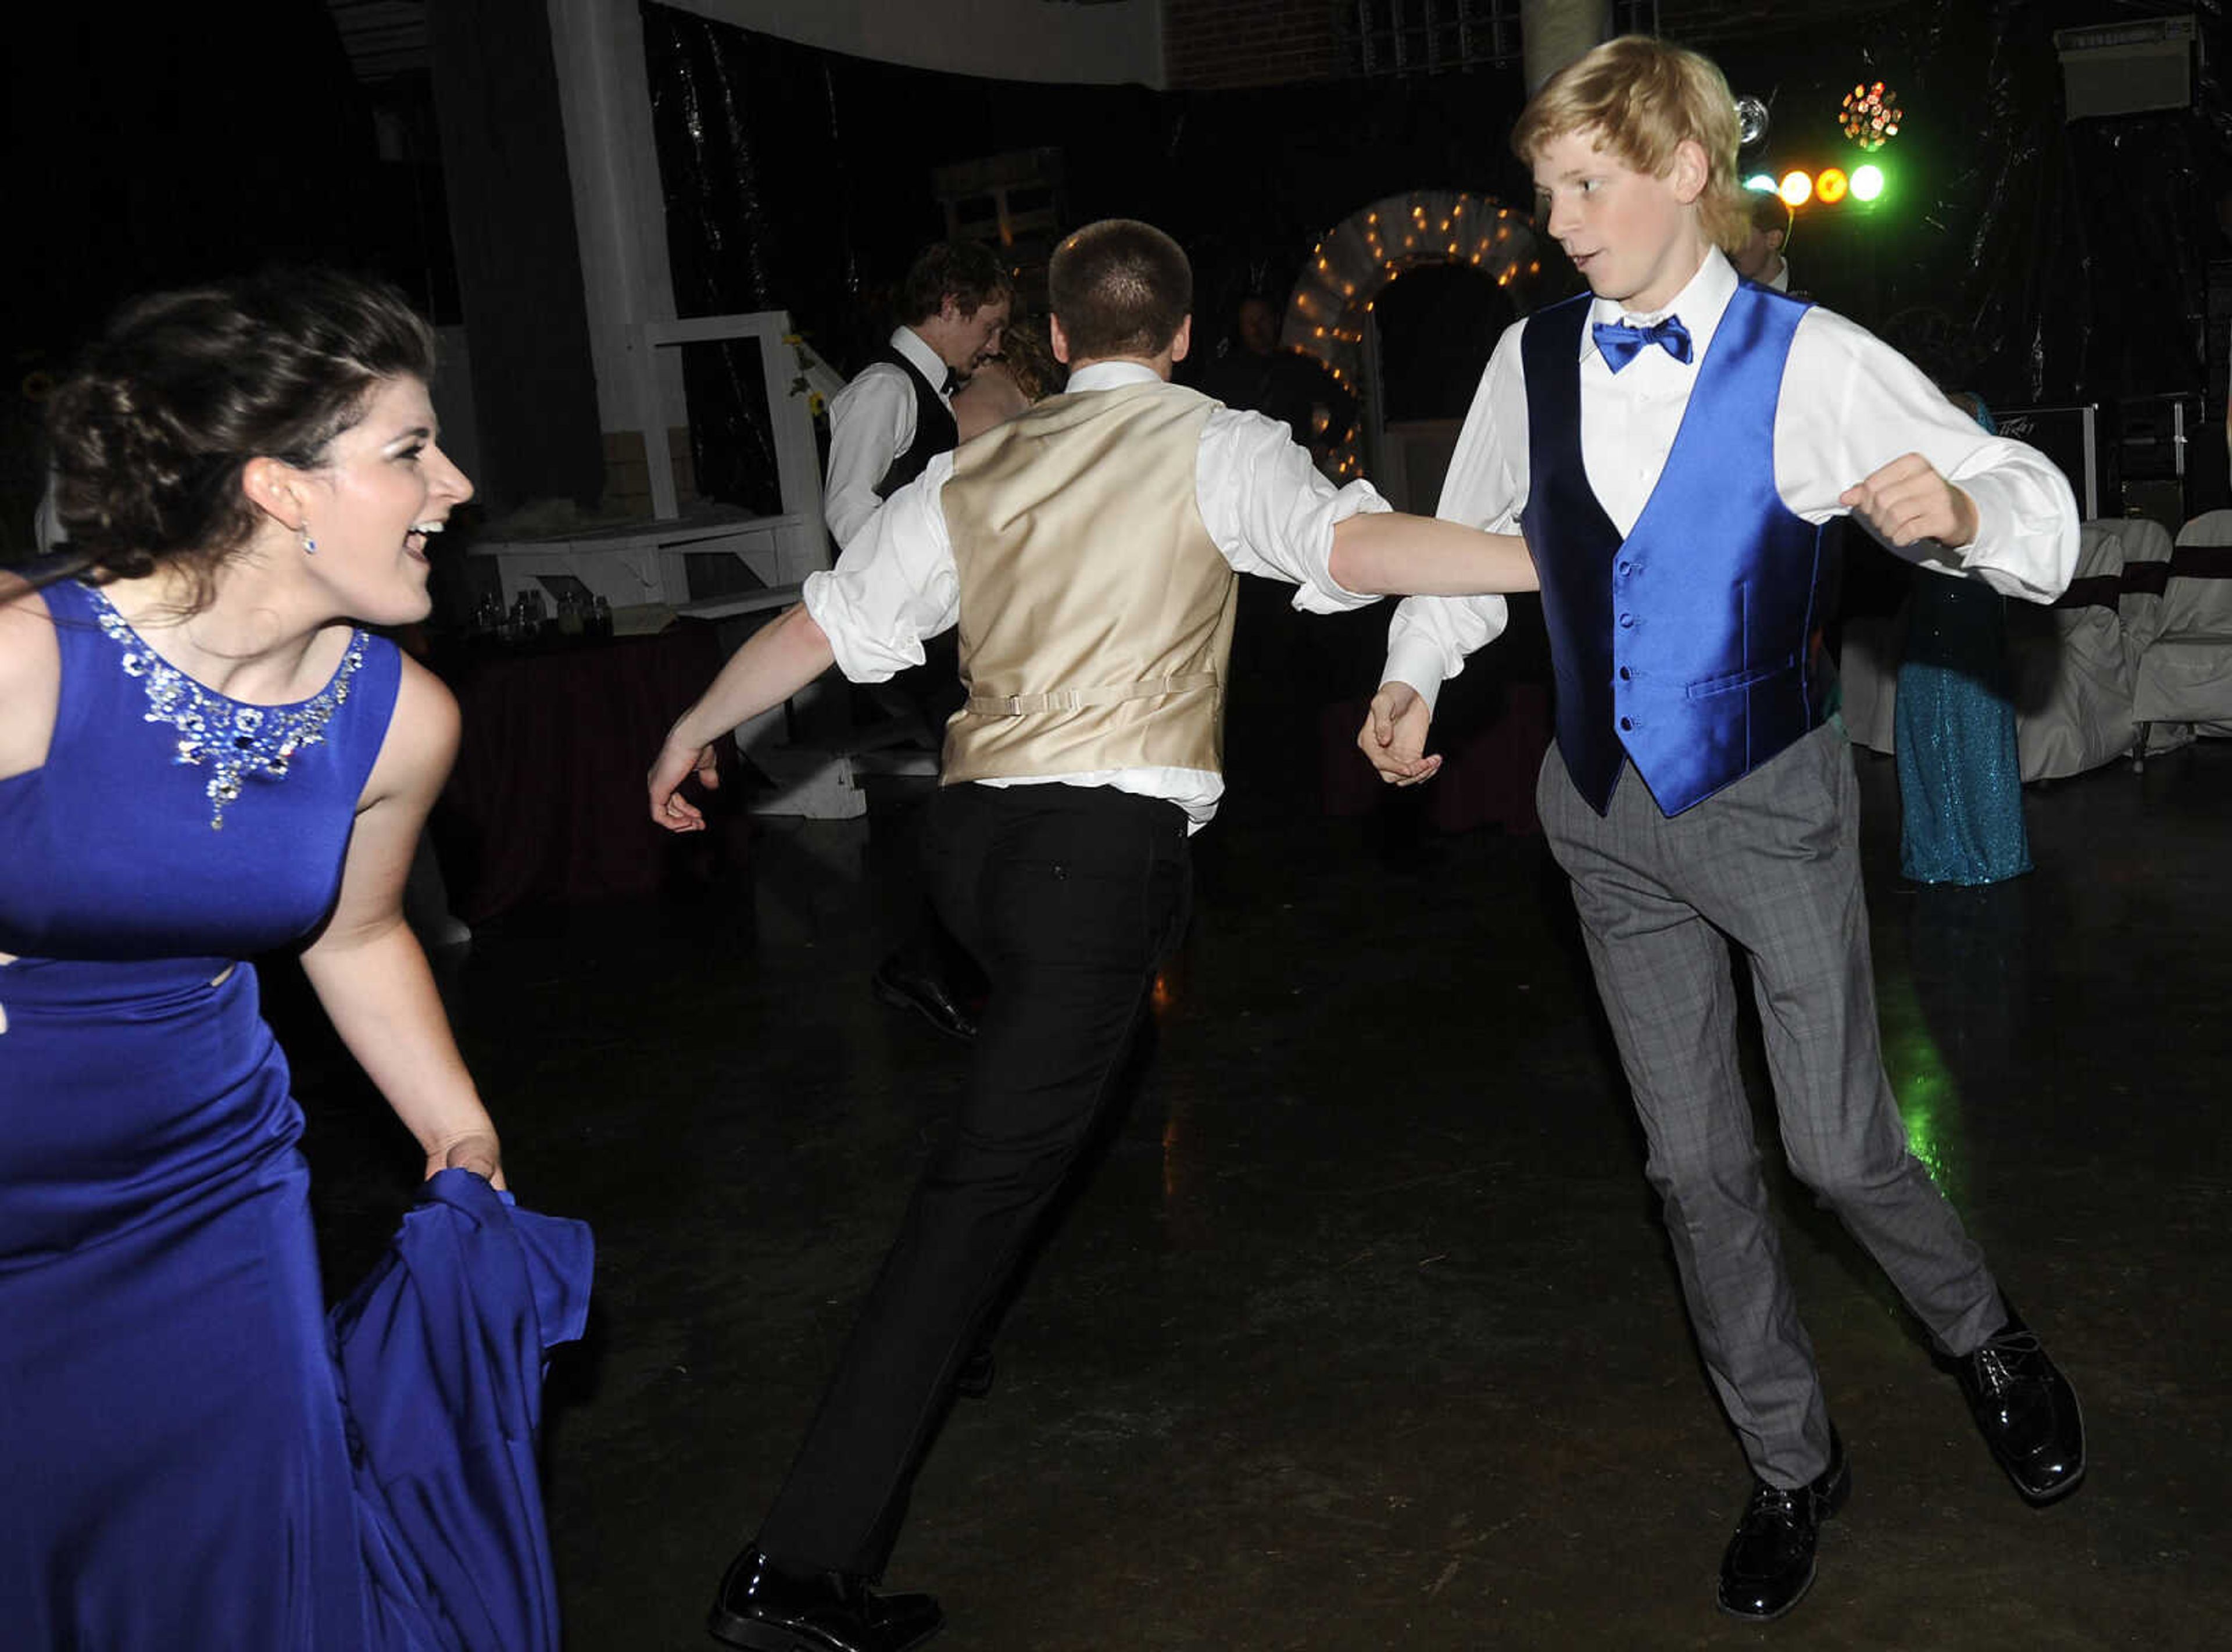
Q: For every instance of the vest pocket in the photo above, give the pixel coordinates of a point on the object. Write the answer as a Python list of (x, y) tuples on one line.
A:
[(1704, 687)]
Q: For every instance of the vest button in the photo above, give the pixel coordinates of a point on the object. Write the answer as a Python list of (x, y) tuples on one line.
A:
[(1627, 723), (1624, 564), (1627, 622), (1624, 674)]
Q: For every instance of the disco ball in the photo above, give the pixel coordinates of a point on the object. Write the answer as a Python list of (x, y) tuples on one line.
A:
[(1751, 121)]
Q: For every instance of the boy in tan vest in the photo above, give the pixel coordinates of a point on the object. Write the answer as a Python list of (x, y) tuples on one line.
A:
[(1089, 551)]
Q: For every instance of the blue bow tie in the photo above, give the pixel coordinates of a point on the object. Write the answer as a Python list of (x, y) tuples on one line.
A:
[(1617, 343)]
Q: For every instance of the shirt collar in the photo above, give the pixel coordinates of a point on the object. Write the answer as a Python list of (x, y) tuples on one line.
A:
[(1107, 375), (908, 343), (1700, 305)]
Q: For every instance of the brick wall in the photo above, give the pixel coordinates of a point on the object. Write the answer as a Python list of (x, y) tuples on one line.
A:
[(1211, 44), (1701, 22)]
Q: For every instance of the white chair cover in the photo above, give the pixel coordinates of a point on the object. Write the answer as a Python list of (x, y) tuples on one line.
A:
[(2185, 672), (2140, 607), (2071, 671), (2146, 570)]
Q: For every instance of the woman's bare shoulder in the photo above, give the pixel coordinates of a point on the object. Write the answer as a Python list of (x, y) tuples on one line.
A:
[(30, 676), (422, 738)]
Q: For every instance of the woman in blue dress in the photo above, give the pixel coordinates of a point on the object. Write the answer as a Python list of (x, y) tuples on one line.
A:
[(202, 757), (1960, 776)]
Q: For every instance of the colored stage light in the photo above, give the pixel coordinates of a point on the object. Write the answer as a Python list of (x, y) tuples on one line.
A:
[(1797, 188), (1871, 115), (1829, 188), (1762, 182), (1867, 183)]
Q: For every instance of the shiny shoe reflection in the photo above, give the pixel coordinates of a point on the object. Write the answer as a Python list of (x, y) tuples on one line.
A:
[(1769, 1562), (767, 1607), (2026, 1410), (974, 1380), (899, 982)]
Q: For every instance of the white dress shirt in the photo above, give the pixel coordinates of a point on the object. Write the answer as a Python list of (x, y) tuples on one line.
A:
[(1263, 502), (871, 423), (1850, 405)]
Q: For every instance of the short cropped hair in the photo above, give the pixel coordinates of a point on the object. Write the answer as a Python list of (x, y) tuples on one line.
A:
[(1120, 288), (1640, 99), (1768, 212), (149, 434), (968, 272)]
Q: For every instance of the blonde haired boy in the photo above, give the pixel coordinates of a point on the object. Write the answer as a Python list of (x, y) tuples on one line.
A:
[(1673, 498)]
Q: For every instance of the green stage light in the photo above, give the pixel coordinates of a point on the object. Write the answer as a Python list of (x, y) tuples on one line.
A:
[(1867, 183)]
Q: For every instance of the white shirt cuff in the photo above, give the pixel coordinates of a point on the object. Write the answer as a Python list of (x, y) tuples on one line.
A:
[(2013, 554), (1419, 662)]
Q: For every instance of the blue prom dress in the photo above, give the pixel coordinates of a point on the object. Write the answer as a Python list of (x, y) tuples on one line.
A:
[(1960, 774), (191, 1454)]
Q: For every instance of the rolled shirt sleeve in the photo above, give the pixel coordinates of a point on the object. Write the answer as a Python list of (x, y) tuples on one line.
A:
[(895, 585), (1271, 512)]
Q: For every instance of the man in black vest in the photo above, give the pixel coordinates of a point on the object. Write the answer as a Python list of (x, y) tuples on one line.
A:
[(894, 417), (898, 412), (1761, 257)]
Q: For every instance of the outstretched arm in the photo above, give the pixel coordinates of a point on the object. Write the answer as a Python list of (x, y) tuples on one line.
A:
[(777, 660), (1388, 553), (1430, 636)]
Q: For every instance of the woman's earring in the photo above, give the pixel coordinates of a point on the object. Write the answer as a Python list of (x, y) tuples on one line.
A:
[(310, 544)]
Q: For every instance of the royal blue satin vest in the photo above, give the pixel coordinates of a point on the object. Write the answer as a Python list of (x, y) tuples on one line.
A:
[(1686, 647)]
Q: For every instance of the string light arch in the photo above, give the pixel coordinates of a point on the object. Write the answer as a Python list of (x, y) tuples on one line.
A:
[(1358, 259)]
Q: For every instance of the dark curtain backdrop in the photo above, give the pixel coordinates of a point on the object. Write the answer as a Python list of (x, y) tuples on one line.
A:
[(2049, 260), (2042, 261), (800, 179)]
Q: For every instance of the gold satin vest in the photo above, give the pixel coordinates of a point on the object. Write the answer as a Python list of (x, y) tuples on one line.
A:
[(1096, 613)]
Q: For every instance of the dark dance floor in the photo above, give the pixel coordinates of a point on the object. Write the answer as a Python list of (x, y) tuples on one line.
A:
[(1364, 1333)]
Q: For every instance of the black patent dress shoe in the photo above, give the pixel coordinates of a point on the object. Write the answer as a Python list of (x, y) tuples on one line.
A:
[(2026, 1410), (1770, 1564), (900, 983), (767, 1607), (974, 1380)]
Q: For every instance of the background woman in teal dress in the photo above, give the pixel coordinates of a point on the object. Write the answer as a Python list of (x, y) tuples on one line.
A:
[(1960, 777)]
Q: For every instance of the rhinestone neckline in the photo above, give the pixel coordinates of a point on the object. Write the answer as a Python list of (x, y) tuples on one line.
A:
[(237, 741)]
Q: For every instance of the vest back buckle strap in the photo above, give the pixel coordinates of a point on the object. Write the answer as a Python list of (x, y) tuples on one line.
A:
[(1020, 705)]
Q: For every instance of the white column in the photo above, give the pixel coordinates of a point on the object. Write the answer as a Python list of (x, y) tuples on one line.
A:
[(1553, 33), (620, 213)]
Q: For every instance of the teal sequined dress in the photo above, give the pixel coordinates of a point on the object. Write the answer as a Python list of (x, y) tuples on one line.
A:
[(1959, 776)]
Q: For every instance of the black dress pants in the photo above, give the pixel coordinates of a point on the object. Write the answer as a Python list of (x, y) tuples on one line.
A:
[(1069, 897)]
